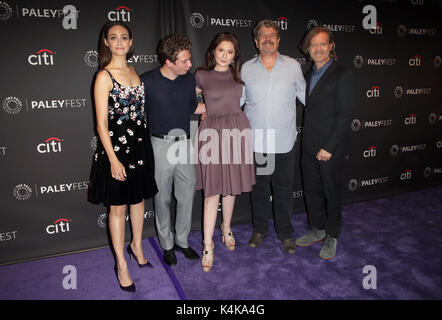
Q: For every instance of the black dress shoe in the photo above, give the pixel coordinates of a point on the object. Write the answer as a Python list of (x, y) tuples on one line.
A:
[(189, 253), (169, 257), (130, 288), (132, 254)]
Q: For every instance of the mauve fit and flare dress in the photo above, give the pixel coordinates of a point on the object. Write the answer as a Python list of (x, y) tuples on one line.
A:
[(224, 139)]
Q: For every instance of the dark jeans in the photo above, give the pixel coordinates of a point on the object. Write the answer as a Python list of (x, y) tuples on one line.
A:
[(281, 183), (322, 187)]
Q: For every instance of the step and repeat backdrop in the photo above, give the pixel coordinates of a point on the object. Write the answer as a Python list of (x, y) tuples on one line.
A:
[(47, 129)]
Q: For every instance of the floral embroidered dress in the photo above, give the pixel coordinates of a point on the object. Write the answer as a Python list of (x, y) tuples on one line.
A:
[(127, 130)]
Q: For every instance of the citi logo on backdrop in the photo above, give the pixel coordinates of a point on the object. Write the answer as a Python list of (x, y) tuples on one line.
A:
[(121, 13), (406, 175), (50, 145), (282, 23), (416, 61), (374, 92), (370, 152), (410, 120), (58, 226), (43, 57), (377, 30)]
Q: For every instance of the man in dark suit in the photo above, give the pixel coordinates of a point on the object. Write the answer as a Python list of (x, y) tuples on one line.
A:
[(327, 115)]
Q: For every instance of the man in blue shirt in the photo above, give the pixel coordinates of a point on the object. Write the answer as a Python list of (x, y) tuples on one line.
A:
[(272, 83), (170, 100)]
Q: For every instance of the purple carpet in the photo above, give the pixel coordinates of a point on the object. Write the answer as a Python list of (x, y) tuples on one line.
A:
[(399, 237)]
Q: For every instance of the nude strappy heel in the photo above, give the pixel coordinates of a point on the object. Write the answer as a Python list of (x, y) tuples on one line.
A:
[(228, 239), (207, 259)]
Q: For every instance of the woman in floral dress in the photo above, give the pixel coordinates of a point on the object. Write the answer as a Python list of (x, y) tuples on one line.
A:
[(122, 170)]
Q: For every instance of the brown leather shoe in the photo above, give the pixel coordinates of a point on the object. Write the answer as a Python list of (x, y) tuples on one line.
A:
[(289, 246), (256, 240)]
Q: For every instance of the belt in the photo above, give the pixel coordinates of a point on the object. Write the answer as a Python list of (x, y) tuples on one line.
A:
[(170, 138)]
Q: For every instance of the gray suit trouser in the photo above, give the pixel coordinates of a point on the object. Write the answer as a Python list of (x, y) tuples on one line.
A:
[(173, 168)]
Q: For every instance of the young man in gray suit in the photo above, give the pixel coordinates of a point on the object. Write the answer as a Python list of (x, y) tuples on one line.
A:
[(170, 98)]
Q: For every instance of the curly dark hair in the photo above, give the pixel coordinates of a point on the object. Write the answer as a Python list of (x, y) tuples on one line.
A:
[(171, 46)]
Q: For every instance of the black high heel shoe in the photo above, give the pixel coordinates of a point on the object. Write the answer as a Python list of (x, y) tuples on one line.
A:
[(132, 254), (130, 288)]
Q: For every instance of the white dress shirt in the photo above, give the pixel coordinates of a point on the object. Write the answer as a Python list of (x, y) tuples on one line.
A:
[(270, 102)]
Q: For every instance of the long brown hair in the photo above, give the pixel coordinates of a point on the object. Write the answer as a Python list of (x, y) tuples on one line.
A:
[(105, 56), (305, 45), (235, 66)]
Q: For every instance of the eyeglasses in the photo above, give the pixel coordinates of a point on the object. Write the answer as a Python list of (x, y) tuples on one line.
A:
[(267, 35)]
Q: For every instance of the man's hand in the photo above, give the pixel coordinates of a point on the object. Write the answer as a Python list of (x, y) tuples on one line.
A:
[(323, 155)]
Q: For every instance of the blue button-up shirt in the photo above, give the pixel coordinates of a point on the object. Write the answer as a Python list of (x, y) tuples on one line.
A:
[(317, 74), (270, 102)]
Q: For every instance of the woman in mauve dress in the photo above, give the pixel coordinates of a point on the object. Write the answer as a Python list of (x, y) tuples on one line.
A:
[(224, 140)]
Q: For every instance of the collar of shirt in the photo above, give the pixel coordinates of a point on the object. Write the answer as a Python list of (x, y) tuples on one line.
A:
[(270, 102), (321, 70), (258, 58), (317, 74)]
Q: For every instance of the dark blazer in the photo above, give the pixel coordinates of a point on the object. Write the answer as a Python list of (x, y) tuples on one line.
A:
[(328, 111)]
